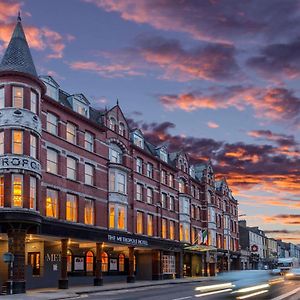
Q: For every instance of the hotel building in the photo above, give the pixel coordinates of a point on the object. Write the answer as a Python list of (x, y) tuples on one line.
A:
[(84, 199)]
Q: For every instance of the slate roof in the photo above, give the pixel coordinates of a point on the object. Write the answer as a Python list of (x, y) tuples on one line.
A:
[(17, 56)]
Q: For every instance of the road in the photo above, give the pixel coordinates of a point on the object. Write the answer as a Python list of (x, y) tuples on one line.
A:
[(288, 290)]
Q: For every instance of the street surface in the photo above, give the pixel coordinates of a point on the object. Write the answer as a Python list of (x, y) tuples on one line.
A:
[(256, 285)]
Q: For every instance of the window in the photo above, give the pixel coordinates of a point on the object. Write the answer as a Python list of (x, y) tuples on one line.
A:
[(121, 262), (164, 228), (121, 129), (51, 203), (193, 191), (89, 212), (52, 161), (181, 186), (163, 155), (89, 141), (1, 142), (194, 236), (71, 133), (193, 211), (1, 191), (139, 192), (89, 261), (52, 123), (69, 260), (172, 230), (81, 108), (33, 146), (71, 208), (17, 191), (139, 165), (52, 91), (121, 183), (115, 154), (88, 174), (17, 142), (33, 102), (112, 124), (149, 195), (17, 97), (32, 199), (150, 225), (2, 98), (163, 177), (117, 181), (138, 140), (150, 170), (139, 223), (172, 203), (104, 260), (171, 180), (117, 216), (184, 232), (163, 200), (169, 265), (71, 168)]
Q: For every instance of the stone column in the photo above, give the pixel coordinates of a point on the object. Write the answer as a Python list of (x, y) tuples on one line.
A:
[(98, 280), (179, 264), (63, 281), (131, 277), (16, 246)]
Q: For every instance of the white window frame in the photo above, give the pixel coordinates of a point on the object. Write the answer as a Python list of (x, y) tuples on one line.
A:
[(71, 169), (89, 171), (139, 165), (15, 88), (33, 193), (33, 146), (71, 133), (89, 141), (33, 101), (52, 123), (117, 208), (13, 191), (53, 161), (55, 203)]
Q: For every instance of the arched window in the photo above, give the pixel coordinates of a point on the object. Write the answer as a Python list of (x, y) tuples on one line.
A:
[(104, 260), (69, 260), (121, 129), (115, 153), (121, 262), (89, 261), (112, 123)]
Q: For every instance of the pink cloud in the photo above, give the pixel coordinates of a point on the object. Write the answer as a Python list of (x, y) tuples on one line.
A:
[(211, 124)]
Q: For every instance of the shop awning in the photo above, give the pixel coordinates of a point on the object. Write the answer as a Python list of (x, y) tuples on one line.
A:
[(200, 248)]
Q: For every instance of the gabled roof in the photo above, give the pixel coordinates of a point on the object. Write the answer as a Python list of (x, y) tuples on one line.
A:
[(17, 56), (49, 79), (81, 98)]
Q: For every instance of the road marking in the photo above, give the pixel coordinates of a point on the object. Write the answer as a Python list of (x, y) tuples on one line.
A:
[(188, 297), (287, 294)]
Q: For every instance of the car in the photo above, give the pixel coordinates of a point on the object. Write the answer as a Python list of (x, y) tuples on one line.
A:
[(293, 274), (276, 271)]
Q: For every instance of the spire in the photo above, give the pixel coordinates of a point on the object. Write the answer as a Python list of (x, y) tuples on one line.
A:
[(117, 102), (17, 56)]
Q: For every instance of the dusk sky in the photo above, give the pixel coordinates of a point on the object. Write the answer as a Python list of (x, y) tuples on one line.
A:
[(218, 79)]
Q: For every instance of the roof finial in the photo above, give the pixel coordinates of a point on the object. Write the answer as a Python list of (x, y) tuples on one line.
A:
[(19, 17), (117, 101)]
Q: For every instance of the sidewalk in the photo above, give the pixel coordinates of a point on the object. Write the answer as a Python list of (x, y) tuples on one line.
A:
[(73, 292)]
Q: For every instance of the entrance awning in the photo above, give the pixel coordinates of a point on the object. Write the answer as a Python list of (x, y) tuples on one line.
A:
[(200, 248)]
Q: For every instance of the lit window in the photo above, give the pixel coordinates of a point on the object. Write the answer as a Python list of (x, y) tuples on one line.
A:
[(89, 174), (139, 165), (117, 216), (52, 161), (172, 203), (18, 97), (112, 124), (163, 200), (104, 260), (115, 154), (149, 195), (139, 192), (71, 133), (17, 191), (111, 216), (51, 203), (89, 212), (17, 142), (121, 129), (71, 168), (150, 225), (181, 186), (33, 146), (1, 142), (71, 208), (89, 261), (150, 170), (33, 102), (1, 191), (184, 232), (163, 177), (81, 108), (121, 262), (172, 230), (164, 228), (32, 200), (121, 217), (52, 123), (139, 223), (2, 98), (89, 141)]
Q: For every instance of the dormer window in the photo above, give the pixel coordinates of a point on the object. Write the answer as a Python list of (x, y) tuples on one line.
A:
[(81, 108), (163, 155), (192, 172), (112, 123), (52, 87), (138, 140)]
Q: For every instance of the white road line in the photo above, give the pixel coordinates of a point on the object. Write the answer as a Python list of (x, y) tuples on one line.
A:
[(287, 294), (188, 297)]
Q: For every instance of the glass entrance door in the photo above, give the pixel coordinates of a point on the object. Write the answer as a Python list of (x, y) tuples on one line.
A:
[(34, 261)]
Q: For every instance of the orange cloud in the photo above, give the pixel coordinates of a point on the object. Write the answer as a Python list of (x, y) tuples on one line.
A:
[(9, 10)]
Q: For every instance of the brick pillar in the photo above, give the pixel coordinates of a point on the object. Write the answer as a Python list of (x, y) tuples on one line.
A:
[(16, 246), (179, 264), (131, 277), (98, 280), (63, 281)]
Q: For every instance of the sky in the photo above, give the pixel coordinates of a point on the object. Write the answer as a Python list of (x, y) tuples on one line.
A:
[(217, 79)]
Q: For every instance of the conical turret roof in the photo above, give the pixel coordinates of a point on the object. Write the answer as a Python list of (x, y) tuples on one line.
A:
[(17, 56)]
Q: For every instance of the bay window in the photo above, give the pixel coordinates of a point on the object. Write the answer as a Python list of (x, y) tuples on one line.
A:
[(52, 161), (89, 141), (33, 190), (117, 181), (33, 146), (139, 222), (117, 216), (71, 168), (52, 203), (115, 154), (17, 97), (33, 102), (2, 98), (88, 174), (89, 212), (17, 147), (52, 124), (71, 208), (184, 232), (17, 190), (71, 133)]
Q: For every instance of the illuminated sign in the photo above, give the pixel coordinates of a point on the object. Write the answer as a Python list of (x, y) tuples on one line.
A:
[(126, 240), (254, 248)]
